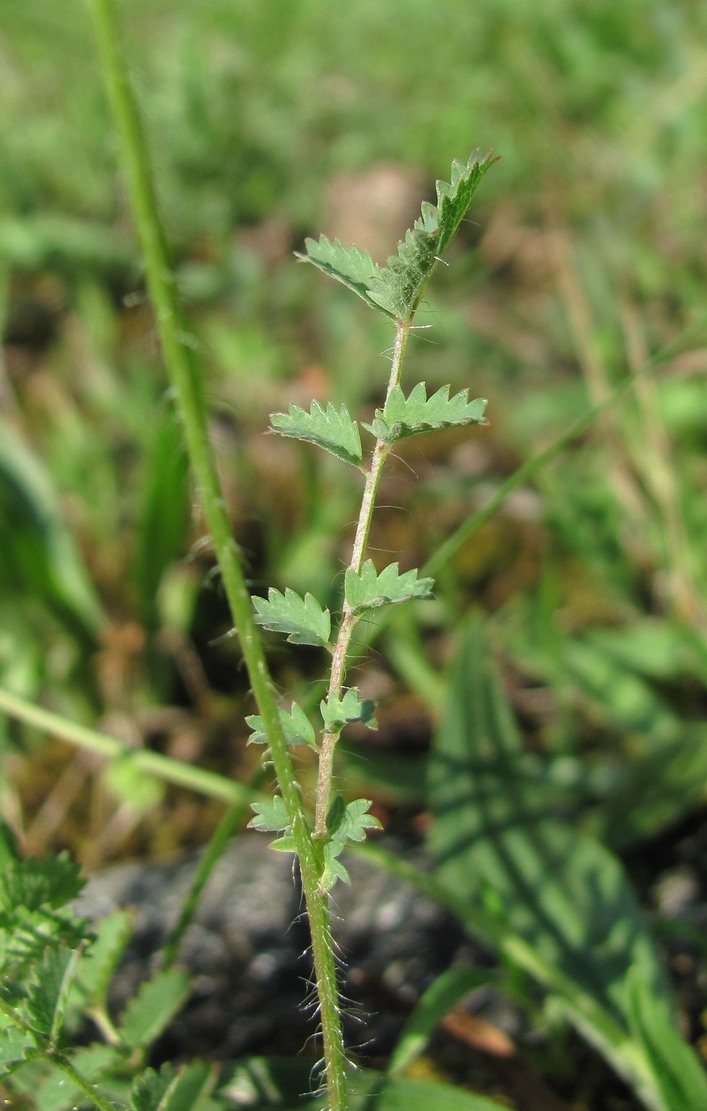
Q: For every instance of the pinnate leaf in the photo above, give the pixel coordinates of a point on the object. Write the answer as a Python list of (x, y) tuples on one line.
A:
[(186, 1090), (150, 1090), (47, 996), (396, 288), (297, 727), (454, 197), (303, 619), (345, 822), (270, 815), (409, 416), (112, 936), (148, 1013), (333, 869), (353, 268), (50, 881), (338, 712), (330, 428), (33, 914), (367, 589), (349, 821)]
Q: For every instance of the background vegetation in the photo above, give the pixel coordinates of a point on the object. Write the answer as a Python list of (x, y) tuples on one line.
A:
[(271, 122)]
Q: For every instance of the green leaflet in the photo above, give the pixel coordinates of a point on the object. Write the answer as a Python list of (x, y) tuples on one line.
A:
[(409, 416), (330, 428), (47, 996), (353, 268), (396, 288), (368, 589), (454, 197), (338, 712), (149, 1012), (345, 822), (349, 821), (50, 881), (271, 815), (303, 619), (297, 727), (186, 1090)]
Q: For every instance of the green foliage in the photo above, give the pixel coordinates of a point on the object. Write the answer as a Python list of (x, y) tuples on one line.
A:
[(270, 815), (353, 268), (408, 416), (303, 619), (33, 894), (63, 971), (40, 559), (340, 711), (150, 1011), (350, 822), (297, 726), (366, 589), (330, 428), (164, 513), (46, 1000), (396, 289), (445, 992), (345, 822), (186, 1090), (618, 740)]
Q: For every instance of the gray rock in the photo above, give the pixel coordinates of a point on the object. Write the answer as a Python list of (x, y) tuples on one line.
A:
[(247, 949)]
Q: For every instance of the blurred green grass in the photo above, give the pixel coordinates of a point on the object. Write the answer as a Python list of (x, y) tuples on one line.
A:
[(582, 260)]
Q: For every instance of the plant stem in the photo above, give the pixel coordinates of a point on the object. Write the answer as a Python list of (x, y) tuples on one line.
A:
[(208, 783), (379, 455), (182, 366)]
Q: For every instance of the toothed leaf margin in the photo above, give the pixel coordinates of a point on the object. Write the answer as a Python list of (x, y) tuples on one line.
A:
[(403, 416), (368, 589), (303, 619), (330, 428)]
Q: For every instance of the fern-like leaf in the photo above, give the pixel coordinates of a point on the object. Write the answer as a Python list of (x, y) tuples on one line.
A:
[(271, 815), (345, 822), (47, 995), (409, 416), (151, 1089), (353, 268), (454, 197), (368, 589), (338, 712), (350, 821), (396, 288), (330, 428), (297, 728), (50, 881), (303, 619), (149, 1012)]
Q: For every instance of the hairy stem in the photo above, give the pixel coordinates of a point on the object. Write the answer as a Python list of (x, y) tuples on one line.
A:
[(379, 455), (180, 357)]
